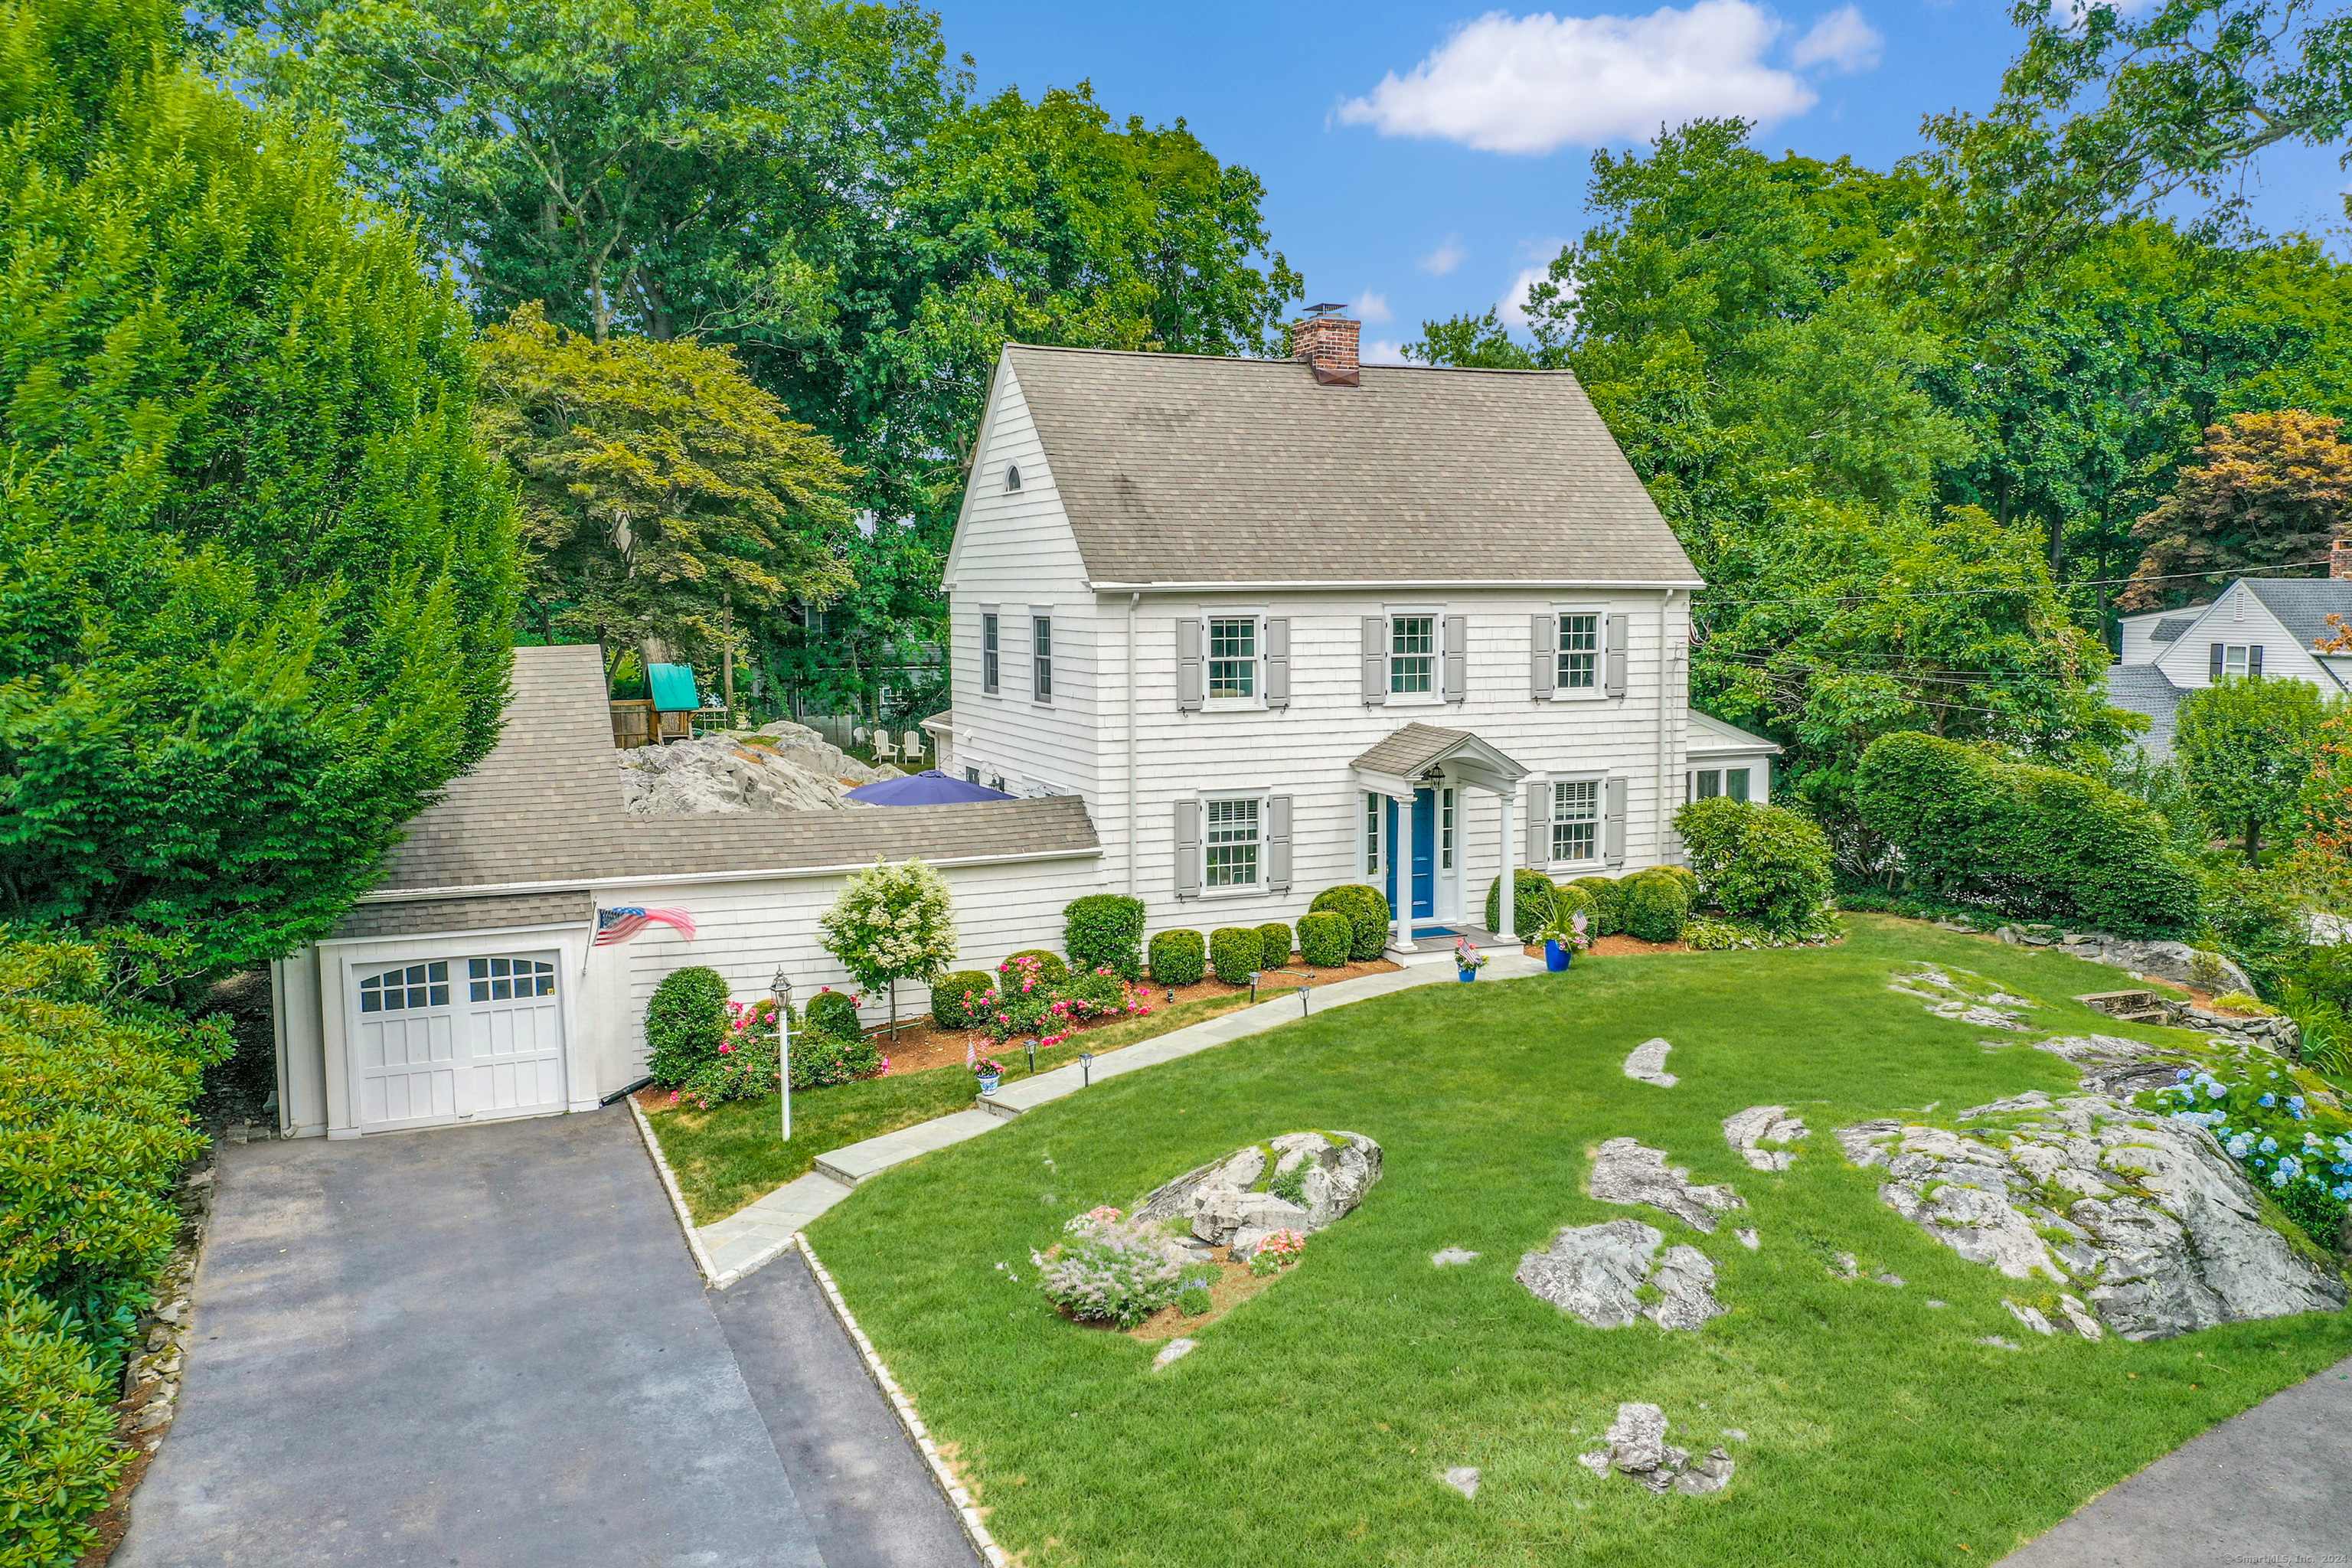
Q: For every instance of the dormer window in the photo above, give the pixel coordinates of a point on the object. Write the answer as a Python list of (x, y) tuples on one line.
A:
[(1012, 476)]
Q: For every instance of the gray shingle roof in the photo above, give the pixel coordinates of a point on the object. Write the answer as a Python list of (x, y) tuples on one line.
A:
[(2304, 604), (417, 917), (1176, 468), (2143, 689), (545, 807), (1406, 752), (2171, 629)]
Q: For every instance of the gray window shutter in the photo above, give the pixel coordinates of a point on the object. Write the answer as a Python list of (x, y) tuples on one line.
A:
[(1543, 634), (1188, 664), (1188, 849), (1538, 826), (1376, 660), (1451, 668), (1615, 678), (2214, 666), (1277, 843), (1613, 821), (1277, 662), (2255, 659)]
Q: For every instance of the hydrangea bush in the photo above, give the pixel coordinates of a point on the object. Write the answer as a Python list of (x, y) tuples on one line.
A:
[(892, 923), (2298, 1153), (1107, 1269)]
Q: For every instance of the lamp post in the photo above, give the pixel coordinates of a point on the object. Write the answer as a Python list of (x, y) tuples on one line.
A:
[(781, 987)]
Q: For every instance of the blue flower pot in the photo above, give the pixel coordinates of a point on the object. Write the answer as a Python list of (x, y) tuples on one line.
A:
[(988, 1082), (1465, 974), (1558, 957)]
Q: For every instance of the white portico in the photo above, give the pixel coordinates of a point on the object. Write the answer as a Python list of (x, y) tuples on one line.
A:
[(1419, 773)]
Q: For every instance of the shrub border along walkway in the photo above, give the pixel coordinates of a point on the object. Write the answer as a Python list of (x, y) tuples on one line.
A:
[(730, 1249)]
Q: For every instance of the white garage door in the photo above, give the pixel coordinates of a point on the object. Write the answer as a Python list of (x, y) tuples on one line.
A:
[(445, 1040)]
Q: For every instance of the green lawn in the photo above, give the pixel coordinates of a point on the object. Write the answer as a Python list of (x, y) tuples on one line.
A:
[(728, 1156), (1312, 1423)]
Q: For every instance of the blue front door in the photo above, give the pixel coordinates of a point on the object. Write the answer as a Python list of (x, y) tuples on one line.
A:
[(1424, 854)]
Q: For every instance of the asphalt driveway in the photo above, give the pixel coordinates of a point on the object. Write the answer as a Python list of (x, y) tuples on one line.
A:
[(484, 1347)]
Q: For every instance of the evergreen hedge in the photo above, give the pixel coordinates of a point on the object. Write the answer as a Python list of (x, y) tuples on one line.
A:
[(1178, 958), (2033, 841), (1367, 909), (1608, 903), (1655, 904), (961, 1000), (1759, 863), (1234, 952), (1531, 906), (831, 1013), (1274, 942), (1105, 930), (686, 1019), (1325, 938)]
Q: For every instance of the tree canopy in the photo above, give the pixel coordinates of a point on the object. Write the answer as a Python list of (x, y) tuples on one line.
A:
[(2268, 491), (256, 583)]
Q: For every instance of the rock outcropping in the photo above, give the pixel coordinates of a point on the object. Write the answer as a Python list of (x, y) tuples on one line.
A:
[(1598, 1272), (2164, 960), (1636, 1447), (1765, 1124), (1302, 1181), (2145, 1216), (1646, 1063), (784, 767), (1626, 1171), (1964, 997)]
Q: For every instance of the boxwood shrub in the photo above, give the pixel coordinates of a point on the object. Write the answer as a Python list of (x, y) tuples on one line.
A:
[(1235, 951), (961, 1000), (686, 1018), (1655, 904), (1367, 909), (831, 1012), (826, 1058), (1050, 967), (1274, 942), (2033, 841), (1105, 930), (1567, 899), (1530, 907), (1759, 863), (1608, 903), (1325, 938), (1178, 958)]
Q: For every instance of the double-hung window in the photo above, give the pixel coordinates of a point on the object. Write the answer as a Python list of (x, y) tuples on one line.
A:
[(1579, 651), (2236, 660), (1576, 819), (1232, 657), (988, 651), (1041, 658), (1412, 655), (1230, 846)]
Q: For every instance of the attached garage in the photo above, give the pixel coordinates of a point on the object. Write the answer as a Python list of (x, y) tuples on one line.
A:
[(441, 1040)]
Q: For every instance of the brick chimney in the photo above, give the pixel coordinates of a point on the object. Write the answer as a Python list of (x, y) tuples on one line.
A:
[(1328, 343), (2339, 557)]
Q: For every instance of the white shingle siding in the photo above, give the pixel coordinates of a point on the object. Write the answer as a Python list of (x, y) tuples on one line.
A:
[(2237, 618)]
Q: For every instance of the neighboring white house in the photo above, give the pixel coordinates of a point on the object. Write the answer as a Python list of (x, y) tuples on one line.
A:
[(2269, 626), (1235, 630), (1284, 624)]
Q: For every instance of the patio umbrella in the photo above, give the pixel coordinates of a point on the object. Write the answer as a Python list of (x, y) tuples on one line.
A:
[(929, 787)]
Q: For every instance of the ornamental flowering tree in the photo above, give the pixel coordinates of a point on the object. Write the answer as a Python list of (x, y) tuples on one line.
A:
[(893, 924)]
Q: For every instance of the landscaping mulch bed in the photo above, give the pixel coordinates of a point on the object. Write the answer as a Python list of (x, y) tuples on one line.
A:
[(921, 1044)]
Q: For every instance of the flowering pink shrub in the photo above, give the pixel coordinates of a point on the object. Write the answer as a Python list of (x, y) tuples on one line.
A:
[(1277, 1251), (1031, 1004)]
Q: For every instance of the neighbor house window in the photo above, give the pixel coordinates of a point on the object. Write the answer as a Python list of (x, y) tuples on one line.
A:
[(1372, 834), (1576, 820), (1012, 477), (500, 979), (399, 990), (1412, 653), (2237, 660), (1230, 846), (1233, 657), (988, 651), (1445, 830), (1579, 651), (971, 775), (1041, 659)]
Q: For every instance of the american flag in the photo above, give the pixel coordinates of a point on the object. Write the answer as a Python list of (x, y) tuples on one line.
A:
[(620, 924)]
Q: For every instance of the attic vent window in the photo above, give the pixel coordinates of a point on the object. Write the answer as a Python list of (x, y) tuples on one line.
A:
[(1012, 477)]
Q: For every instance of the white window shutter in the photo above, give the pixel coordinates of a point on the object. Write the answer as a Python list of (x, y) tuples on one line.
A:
[(1188, 663), (1538, 826), (1613, 821), (1616, 657), (1452, 666), (1277, 661), (1277, 843), (1188, 849), (1376, 660), (1543, 634)]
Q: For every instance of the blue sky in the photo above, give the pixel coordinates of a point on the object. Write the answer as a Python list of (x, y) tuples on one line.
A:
[(1422, 158)]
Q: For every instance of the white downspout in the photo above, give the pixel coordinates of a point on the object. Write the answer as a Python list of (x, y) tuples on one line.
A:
[(1132, 881), (1665, 720)]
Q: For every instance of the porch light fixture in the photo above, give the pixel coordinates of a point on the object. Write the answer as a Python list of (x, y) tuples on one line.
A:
[(781, 988)]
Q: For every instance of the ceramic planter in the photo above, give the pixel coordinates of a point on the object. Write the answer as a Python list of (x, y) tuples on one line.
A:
[(988, 1082)]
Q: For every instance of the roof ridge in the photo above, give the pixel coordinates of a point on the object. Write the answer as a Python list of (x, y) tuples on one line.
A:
[(1286, 361)]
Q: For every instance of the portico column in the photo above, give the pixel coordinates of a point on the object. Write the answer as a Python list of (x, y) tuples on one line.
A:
[(1399, 873), (1509, 898)]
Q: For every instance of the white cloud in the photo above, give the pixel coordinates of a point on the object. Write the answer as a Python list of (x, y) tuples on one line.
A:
[(1513, 306), (1446, 257), (1381, 351), (1528, 84), (1842, 40), (1369, 305)]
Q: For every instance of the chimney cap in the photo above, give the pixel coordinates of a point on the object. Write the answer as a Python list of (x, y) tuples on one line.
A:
[(1327, 309)]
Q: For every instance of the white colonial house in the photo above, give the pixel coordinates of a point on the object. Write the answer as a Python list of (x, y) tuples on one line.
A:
[(1230, 632), (1284, 624), (2277, 627)]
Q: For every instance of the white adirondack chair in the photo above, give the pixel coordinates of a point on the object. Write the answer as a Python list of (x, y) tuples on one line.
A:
[(914, 747), (884, 751)]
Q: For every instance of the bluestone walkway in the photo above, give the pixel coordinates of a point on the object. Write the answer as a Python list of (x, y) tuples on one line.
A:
[(749, 1239), (479, 1347), (2268, 1489)]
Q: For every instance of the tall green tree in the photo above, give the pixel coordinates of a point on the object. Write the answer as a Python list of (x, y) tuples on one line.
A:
[(2270, 491), (257, 582), (2246, 749), (662, 494)]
